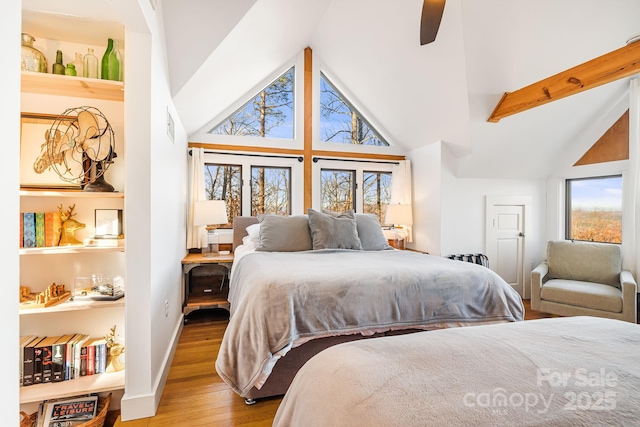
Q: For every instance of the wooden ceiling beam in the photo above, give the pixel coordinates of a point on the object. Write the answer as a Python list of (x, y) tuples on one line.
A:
[(615, 65)]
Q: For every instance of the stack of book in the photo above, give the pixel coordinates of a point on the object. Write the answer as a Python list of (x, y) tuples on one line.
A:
[(60, 358), (40, 229)]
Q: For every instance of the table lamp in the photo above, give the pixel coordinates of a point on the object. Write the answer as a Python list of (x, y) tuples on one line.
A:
[(211, 213), (399, 214)]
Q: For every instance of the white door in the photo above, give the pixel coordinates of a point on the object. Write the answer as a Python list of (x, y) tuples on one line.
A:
[(505, 240)]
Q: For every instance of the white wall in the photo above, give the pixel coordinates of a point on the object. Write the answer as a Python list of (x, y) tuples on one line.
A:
[(449, 213), (10, 19), (427, 193), (155, 202)]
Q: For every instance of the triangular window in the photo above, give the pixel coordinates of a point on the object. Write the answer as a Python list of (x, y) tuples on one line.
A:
[(339, 120), (268, 115)]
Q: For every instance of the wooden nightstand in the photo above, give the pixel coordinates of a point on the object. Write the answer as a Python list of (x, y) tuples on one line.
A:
[(214, 296)]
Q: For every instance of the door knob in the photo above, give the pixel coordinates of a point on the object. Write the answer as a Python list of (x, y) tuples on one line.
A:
[(521, 234)]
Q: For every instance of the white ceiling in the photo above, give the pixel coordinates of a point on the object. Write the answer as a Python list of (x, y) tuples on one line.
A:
[(445, 91)]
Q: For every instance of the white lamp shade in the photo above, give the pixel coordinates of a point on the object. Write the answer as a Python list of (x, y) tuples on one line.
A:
[(399, 214), (210, 212)]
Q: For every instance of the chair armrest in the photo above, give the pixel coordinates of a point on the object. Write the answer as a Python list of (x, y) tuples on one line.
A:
[(629, 289), (537, 278)]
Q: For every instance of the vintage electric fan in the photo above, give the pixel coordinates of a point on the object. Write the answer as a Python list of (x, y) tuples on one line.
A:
[(79, 147)]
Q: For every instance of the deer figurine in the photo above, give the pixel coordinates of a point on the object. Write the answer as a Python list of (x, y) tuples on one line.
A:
[(69, 227)]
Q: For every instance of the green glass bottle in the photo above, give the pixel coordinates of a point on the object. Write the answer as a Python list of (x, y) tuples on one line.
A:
[(70, 70), (105, 61), (58, 67), (115, 62)]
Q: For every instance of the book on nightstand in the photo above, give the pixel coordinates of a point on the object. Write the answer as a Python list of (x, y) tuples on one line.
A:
[(46, 347), (59, 358)]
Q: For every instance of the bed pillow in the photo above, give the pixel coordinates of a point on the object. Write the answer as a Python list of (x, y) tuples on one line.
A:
[(369, 229), (284, 233), (333, 232), (370, 233)]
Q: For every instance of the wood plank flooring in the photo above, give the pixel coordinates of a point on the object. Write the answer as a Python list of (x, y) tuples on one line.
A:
[(196, 396)]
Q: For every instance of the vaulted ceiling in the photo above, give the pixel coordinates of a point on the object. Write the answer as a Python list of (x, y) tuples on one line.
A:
[(445, 91)]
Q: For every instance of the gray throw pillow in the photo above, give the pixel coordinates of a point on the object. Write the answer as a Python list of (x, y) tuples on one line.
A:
[(284, 233), (369, 231), (333, 232)]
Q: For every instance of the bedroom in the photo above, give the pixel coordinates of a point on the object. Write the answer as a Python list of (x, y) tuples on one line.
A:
[(442, 123)]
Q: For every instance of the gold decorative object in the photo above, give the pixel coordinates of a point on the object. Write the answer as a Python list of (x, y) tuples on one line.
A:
[(114, 362), (69, 227), (54, 294)]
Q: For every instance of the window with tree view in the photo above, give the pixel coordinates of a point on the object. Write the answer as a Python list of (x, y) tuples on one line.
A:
[(224, 182), (340, 122), (270, 190), (376, 193), (268, 115), (594, 209), (337, 189)]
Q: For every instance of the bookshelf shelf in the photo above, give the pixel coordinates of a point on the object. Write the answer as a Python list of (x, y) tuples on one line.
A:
[(53, 84), (73, 306), (83, 385), (54, 250), (26, 192)]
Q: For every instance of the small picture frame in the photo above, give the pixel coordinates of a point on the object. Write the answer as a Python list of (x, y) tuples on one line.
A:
[(108, 223)]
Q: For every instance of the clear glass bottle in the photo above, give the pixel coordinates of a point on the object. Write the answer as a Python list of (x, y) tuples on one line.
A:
[(58, 67), (32, 58), (104, 74), (70, 70), (90, 65), (78, 63)]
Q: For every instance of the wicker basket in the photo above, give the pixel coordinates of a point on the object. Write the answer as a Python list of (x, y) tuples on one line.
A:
[(98, 421)]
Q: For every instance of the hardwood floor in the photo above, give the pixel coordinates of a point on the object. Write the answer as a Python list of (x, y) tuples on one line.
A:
[(196, 396)]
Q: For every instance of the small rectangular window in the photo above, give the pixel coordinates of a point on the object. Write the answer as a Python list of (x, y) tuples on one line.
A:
[(270, 190), (594, 209), (338, 189), (376, 193), (224, 182)]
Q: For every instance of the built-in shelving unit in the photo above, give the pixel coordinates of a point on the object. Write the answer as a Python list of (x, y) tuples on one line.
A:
[(42, 264), (87, 384), (53, 250), (82, 87), (27, 192), (73, 306)]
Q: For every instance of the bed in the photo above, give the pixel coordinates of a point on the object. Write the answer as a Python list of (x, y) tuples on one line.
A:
[(296, 297), (573, 371)]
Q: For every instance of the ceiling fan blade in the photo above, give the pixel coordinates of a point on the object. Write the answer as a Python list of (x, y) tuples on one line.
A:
[(431, 16)]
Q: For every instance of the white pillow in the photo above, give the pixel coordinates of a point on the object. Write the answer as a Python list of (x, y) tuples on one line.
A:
[(253, 233)]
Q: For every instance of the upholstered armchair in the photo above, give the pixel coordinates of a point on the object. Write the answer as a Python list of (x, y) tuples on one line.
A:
[(584, 279)]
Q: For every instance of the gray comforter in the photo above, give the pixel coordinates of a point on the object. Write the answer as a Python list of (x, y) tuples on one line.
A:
[(280, 300), (573, 371)]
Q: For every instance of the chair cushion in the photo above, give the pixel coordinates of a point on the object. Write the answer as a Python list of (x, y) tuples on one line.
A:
[(589, 262), (583, 294)]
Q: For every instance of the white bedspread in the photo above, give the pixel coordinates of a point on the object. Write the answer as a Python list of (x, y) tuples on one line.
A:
[(280, 300), (579, 371)]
